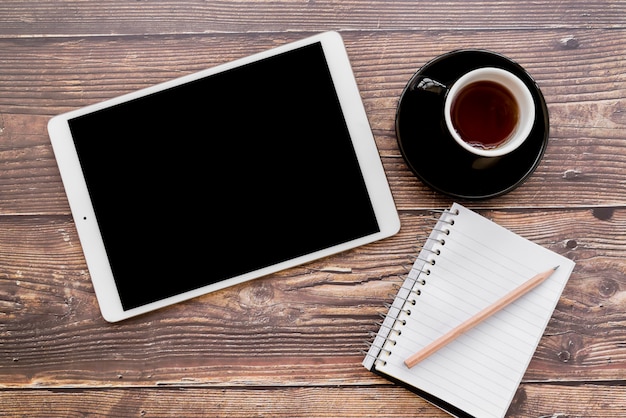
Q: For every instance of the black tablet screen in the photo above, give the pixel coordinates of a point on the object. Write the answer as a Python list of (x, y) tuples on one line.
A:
[(222, 176)]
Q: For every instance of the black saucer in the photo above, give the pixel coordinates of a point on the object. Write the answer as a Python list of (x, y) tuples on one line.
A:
[(437, 159)]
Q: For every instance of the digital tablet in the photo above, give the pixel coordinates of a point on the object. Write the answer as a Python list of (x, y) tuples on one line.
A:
[(222, 176)]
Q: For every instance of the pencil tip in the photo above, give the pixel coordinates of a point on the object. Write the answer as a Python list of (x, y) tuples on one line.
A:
[(556, 267)]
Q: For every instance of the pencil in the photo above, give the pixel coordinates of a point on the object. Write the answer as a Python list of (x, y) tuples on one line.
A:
[(478, 318)]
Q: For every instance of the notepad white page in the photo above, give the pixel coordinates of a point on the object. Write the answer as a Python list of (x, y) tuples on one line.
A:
[(479, 263)]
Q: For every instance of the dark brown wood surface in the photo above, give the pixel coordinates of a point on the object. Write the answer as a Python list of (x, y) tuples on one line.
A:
[(289, 344)]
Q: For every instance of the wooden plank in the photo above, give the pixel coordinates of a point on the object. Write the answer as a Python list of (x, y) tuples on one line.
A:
[(547, 401), (584, 164), (118, 17), (42, 76), (557, 401), (30, 182), (303, 326), (203, 402)]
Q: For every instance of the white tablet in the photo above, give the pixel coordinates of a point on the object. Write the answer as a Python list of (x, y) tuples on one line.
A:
[(223, 176)]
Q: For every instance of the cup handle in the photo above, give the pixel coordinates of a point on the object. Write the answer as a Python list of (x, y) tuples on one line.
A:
[(429, 85)]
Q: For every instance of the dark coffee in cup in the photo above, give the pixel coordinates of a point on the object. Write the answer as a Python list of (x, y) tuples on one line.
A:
[(489, 112), (485, 114)]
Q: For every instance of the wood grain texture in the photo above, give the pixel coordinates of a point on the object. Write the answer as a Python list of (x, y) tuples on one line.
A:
[(583, 164), (533, 400), (118, 17), (204, 402), (289, 344), (282, 328)]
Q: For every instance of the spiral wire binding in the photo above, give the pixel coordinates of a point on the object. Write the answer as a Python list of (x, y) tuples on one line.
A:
[(392, 321)]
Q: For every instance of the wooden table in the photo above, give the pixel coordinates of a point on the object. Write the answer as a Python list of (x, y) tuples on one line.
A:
[(289, 344)]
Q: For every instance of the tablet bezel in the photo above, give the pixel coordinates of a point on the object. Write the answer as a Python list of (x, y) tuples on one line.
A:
[(83, 210)]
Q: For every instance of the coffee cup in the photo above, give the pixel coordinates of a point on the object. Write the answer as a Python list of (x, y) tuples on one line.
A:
[(488, 111)]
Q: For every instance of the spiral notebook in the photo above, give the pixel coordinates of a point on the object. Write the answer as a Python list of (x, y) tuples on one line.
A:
[(466, 264)]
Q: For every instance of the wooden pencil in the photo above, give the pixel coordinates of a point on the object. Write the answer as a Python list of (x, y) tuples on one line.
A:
[(478, 318)]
